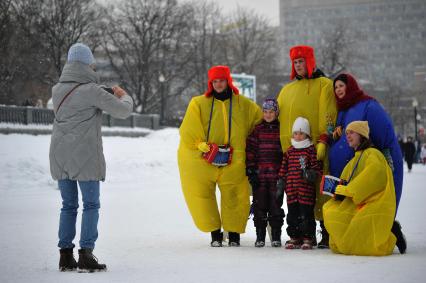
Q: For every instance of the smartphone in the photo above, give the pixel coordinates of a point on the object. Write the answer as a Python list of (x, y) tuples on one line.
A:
[(109, 89)]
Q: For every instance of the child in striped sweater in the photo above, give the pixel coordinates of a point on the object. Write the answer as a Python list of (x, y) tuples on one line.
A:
[(298, 173), (263, 160)]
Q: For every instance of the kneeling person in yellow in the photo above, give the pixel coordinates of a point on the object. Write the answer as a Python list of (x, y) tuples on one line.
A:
[(359, 219), (212, 152)]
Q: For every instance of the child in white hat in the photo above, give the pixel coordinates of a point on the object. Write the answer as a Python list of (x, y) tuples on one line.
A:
[(299, 171)]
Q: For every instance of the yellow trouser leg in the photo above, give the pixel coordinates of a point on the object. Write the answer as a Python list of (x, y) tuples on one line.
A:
[(199, 189), (235, 202)]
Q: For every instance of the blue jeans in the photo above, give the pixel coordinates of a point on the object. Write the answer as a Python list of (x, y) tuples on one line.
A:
[(68, 217)]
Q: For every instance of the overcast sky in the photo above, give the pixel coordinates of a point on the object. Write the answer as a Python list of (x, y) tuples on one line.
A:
[(267, 8)]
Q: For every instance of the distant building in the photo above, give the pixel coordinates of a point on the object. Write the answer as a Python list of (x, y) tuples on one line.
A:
[(390, 34), (420, 77)]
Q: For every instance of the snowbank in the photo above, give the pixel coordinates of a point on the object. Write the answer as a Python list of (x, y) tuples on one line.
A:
[(147, 235)]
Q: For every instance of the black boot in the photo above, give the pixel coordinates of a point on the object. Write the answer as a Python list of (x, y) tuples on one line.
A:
[(260, 237), (323, 244), (87, 262), (401, 242), (217, 238), (67, 261), (276, 237), (234, 239)]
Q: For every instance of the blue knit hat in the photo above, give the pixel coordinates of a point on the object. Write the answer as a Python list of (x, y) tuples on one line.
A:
[(81, 53), (270, 104)]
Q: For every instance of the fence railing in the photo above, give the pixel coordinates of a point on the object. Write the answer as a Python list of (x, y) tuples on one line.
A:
[(33, 115)]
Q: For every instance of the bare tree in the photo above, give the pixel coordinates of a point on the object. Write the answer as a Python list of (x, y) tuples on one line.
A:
[(250, 40), (338, 48), (143, 41), (206, 42), (21, 50), (252, 48), (7, 69), (61, 23)]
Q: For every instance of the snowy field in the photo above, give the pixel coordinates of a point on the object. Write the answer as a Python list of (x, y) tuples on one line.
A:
[(146, 233)]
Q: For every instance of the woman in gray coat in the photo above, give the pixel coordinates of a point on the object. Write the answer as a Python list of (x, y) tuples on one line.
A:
[(76, 154)]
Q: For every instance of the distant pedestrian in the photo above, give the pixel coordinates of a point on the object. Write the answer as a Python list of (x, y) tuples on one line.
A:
[(409, 152), (423, 154)]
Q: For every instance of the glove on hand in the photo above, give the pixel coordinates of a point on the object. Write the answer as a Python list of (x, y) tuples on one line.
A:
[(321, 150), (252, 176), (310, 175), (388, 156), (280, 189), (337, 133), (203, 147)]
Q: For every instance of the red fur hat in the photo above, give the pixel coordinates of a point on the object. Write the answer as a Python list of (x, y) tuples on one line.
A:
[(306, 52), (219, 72)]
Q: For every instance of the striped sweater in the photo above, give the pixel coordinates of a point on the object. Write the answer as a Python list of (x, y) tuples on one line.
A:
[(296, 187), (263, 149)]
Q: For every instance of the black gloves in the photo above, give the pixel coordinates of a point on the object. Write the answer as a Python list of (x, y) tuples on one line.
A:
[(310, 175), (251, 173), (280, 189)]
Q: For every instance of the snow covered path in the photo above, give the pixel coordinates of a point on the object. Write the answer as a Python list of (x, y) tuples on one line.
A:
[(146, 233)]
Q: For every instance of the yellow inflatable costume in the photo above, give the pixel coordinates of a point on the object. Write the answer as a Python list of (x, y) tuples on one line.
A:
[(198, 177), (312, 98), (361, 223)]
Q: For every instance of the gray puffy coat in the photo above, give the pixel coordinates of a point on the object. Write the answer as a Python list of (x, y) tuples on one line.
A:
[(76, 145)]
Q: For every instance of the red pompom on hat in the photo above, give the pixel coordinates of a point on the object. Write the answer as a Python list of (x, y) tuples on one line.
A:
[(217, 73), (306, 52)]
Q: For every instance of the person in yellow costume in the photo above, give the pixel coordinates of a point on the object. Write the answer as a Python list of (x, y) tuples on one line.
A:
[(220, 117), (311, 96), (360, 218)]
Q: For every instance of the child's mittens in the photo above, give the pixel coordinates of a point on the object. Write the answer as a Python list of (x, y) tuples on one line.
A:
[(203, 147), (252, 177), (310, 175), (280, 189), (321, 151)]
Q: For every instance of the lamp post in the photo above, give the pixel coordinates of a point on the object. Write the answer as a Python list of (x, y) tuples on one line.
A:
[(162, 79), (415, 104)]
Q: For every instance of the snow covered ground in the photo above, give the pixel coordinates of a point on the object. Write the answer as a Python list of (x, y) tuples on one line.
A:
[(146, 233)]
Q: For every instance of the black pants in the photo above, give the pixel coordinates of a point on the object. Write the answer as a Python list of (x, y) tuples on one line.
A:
[(266, 207), (409, 162), (300, 221)]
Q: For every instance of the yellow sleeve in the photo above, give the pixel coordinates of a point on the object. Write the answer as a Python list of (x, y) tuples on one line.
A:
[(191, 130), (370, 180), (256, 116), (327, 107), (280, 103)]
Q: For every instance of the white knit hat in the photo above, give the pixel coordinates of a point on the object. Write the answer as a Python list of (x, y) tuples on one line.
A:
[(301, 124)]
